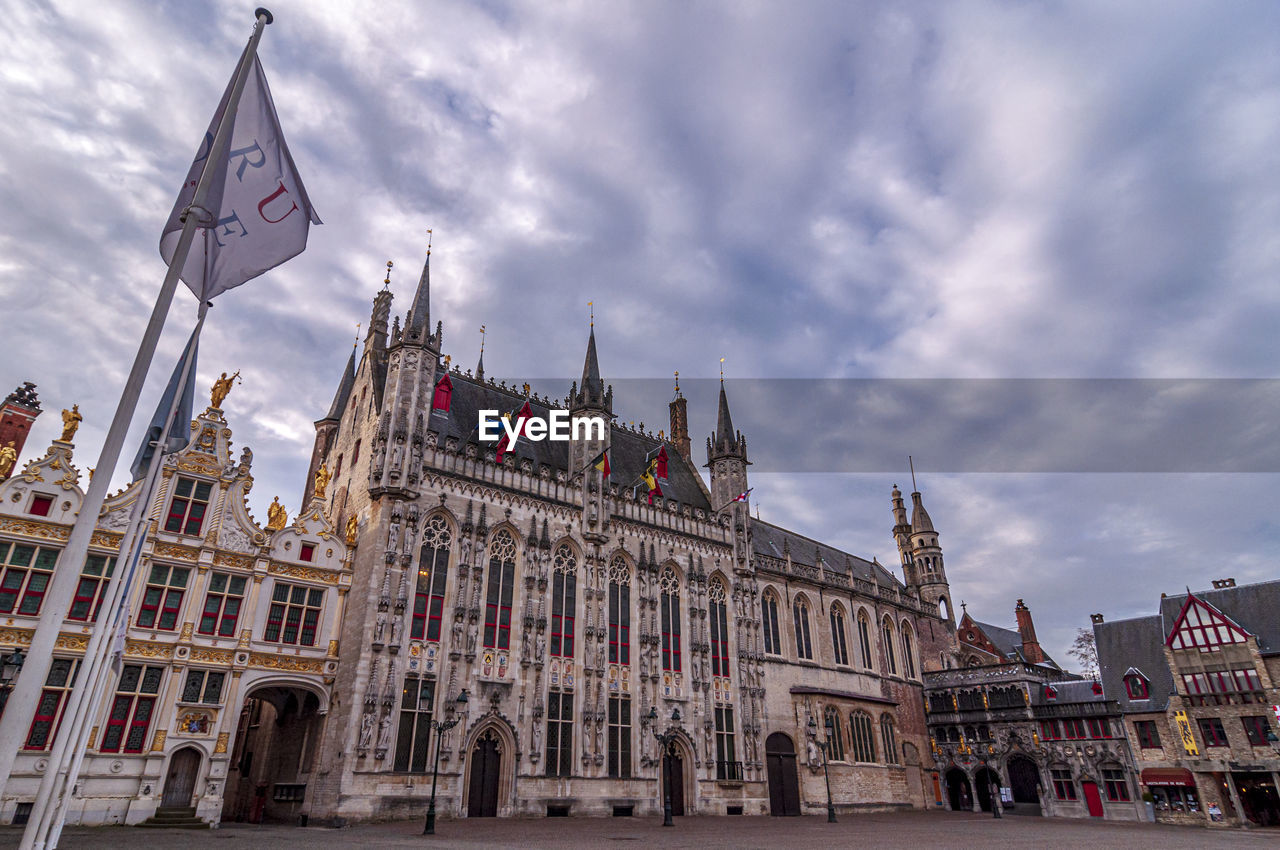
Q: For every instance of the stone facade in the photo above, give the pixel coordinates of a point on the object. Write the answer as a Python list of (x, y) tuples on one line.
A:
[(204, 640)]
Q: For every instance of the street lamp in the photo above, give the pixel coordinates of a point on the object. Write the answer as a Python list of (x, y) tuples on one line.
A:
[(8, 673), (441, 726), (666, 747), (993, 790), (824, 745)]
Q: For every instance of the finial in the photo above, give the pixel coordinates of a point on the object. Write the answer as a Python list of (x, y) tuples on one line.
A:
[(428, 241), (526, 390), (964, 606), (912, 464), (448, 358), (387, 282), (592, 305), (722, 370), (357, 339), (482, 340), (677, 380)]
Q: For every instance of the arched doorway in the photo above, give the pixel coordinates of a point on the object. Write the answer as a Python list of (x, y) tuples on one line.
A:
[(276, 739), (1024, 782), (180, 781), (784, 782), (483, 779), (987, 783), (673, 779), (958, 791)]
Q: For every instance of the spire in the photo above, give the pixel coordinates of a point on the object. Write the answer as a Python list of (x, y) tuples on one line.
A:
[(418, 322), (348, 381), (480, 365), (920, 520), (590, 366), (724, 422), (591, 393)]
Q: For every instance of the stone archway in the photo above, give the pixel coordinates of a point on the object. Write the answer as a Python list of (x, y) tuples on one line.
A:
[(276, 739), (180, 778), (959, 791), (1024, 782), (784, 780), (488, 771)]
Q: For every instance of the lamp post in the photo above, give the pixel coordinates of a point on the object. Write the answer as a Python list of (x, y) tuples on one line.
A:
[(441, 726), (666, 746), (824, 745), (8, 673), (993, 790)]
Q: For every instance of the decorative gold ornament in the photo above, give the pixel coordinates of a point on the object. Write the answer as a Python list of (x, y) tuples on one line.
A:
[(71, 420), (277, 516), (221, 387), (353, 525), (8, 457), (322, 481), (157, 743), (221, 746)]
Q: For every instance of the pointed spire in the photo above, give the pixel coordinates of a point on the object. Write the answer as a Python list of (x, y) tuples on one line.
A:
[(480, 365), (920, 520), (418, 322), (591, 392), (724, 422), (591, 366), (345, 385)]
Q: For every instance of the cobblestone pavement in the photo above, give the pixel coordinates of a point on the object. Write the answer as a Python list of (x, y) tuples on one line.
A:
[(910, 830)]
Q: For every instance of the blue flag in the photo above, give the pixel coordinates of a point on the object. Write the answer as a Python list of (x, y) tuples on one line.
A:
[(180, 433)]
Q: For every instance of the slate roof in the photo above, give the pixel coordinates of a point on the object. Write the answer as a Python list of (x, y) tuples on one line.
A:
[(1071, 690), (771, 541), (1134, 643), (1253, 607), (1009, 643), (627, 455), (343, 394)]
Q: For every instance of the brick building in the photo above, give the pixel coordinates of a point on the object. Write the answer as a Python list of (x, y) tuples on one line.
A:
[(18, 413), (1197, 683)]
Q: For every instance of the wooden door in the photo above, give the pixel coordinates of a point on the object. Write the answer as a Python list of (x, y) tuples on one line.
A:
[(486, 760), (180, 783), (674, 779), (1092, 799), (784, 783)]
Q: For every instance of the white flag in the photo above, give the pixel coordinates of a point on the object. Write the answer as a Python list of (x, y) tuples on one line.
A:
[(256, 198)]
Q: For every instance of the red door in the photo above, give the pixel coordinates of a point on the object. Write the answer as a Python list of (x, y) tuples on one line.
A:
[(1092, 799)]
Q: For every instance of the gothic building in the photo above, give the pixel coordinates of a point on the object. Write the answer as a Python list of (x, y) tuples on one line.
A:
[(564, 618)]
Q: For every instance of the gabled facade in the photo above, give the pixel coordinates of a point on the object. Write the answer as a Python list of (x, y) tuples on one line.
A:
[(1197, 683), (231, 642)]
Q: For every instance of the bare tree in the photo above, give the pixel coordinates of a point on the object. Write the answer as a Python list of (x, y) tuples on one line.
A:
[(1085, 652)]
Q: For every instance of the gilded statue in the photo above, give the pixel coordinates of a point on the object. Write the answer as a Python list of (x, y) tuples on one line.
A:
[(71, 420), (353, 525), (277, 516), (8, 457), (322, 481), (221, 387)]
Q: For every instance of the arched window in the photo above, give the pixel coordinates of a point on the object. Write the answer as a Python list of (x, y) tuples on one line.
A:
[(619, 611), (839, 646), (804, 646), (887, 738), (719, 629), (863, 747), (670, 588), (864, 640), (497, 609), (944, 610), (908, 652), (433, 577), (769, 624), (835, 734), (443, 395), (337, 470), (355, 453), (887, 637), (564, 600)]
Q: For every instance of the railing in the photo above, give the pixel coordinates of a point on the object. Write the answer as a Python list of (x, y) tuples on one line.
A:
[(729, 771)]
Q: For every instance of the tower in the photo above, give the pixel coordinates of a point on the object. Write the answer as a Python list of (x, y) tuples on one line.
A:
[(927, 574), (727, 459), (680, 423), (17, 414), (589, 399), (1027, 632)]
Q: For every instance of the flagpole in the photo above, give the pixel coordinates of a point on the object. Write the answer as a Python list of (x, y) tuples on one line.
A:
[(26, 692), (44, 827)]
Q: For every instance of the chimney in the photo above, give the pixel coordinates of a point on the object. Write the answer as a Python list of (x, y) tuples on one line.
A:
[(680, 424), (1220, 583), (1095, 618), (1027, 630)]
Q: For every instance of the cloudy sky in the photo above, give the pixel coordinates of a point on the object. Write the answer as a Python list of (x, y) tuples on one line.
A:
[(962, 190)]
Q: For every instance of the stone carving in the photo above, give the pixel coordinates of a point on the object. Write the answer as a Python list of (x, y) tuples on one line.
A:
[(71, 420), (384, 732), (379, 626)]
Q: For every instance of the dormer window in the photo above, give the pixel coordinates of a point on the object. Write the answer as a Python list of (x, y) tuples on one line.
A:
[(41, 505), (443, 396), (1136, 686), (1050, 692), (307, 552)]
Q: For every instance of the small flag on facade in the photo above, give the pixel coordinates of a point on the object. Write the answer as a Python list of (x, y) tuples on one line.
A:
[(601, 463), (742, 497), (257, 213), (650, 480), (180, 431), (505, 443)]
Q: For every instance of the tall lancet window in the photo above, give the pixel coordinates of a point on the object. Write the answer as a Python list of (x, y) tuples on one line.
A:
[(564, 597), (619, 611), (669, 584), (769, 623), (497, 609), (719, 629), (804, 643), (433, 575), (839, 648), (864, 639), (890, 657)]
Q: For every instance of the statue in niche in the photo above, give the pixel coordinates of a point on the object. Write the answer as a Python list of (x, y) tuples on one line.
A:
[(379, 626), (395, 630), (366, 732), (384, 731), (353, 526)]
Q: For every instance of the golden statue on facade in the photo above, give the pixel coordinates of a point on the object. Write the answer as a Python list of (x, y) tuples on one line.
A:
[(353, 525), (322, 481), (8, 457), (221, 387), (277, 516), (71, 420)]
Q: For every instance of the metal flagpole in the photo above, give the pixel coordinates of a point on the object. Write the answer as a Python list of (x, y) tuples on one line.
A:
[(26, 693), (56, 786)]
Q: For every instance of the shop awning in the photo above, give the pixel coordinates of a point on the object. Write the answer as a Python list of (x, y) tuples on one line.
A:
[(1167, 776)]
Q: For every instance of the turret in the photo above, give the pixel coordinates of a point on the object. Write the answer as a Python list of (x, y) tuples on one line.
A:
[(17, 414), (1027, 632), (727, 459), (589, 399), (927, 575), (680, 424)]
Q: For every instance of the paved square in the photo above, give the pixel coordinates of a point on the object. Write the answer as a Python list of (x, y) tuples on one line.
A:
[(911, 829)]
